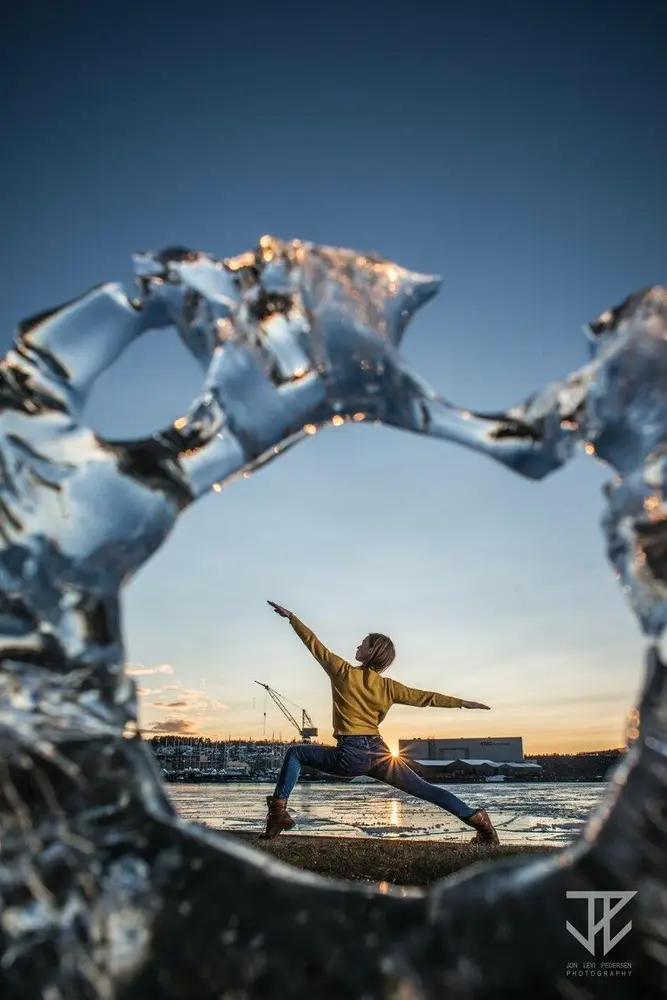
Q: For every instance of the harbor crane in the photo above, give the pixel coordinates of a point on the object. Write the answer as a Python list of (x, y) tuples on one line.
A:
[(306, 730)]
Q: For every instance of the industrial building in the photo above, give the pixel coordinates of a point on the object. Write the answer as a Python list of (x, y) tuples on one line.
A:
[(490, 759), (498, 749)]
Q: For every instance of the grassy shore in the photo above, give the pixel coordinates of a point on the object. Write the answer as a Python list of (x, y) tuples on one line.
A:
[(397, 861)]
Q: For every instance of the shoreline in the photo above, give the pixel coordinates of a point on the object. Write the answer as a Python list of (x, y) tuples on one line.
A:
[(391, 861), (169, 780)]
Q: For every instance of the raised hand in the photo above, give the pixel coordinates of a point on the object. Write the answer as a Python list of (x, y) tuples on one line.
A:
[(279, 610)]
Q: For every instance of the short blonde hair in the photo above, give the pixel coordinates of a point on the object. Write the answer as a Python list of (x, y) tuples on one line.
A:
[(382, 652)]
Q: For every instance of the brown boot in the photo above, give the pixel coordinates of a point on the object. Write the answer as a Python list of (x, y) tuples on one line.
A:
[(485, 832), (278, 818)]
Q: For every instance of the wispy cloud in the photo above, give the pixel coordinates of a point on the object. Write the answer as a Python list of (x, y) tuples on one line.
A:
[(191, 701), (172, 727), (139, 670)]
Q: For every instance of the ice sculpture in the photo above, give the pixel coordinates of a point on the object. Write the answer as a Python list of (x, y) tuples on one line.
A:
[(615, 407), (104, 892)]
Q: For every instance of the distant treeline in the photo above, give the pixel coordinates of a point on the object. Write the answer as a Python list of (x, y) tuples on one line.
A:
[(593, 766)]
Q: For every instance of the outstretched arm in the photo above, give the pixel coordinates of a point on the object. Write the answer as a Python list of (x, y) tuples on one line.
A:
[(332, 664), (401, 694)]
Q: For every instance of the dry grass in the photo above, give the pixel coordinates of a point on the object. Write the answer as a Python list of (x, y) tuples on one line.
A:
[(397, 861)]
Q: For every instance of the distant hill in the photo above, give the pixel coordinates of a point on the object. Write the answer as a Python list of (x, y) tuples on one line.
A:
[(589, 766)]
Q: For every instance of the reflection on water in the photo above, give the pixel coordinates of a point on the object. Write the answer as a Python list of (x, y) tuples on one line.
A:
[(524, 813), (395, 813)]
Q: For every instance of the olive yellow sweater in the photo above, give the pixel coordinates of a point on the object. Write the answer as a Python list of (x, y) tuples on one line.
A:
[(361, 696)]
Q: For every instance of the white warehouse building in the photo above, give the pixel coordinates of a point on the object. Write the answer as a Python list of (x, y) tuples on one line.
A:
[(499, 749)]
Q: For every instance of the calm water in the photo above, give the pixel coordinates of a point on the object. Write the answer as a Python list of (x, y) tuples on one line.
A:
[(532, 813)]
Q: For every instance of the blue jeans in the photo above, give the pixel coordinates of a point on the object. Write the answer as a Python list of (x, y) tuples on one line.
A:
[(355, 755)]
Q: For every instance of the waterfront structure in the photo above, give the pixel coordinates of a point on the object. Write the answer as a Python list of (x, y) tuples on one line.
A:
[(496, 749), (197, 756)]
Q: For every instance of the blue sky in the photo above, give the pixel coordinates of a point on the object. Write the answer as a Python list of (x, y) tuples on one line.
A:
[(516, 149)]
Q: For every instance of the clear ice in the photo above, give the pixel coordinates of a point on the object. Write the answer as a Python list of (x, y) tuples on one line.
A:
[(104, 892), (615, 408)]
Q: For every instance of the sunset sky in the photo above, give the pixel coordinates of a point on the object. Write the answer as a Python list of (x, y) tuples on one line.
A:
[(516, 149)]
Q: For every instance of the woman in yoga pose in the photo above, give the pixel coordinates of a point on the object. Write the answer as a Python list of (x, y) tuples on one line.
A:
[(361, 699)]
